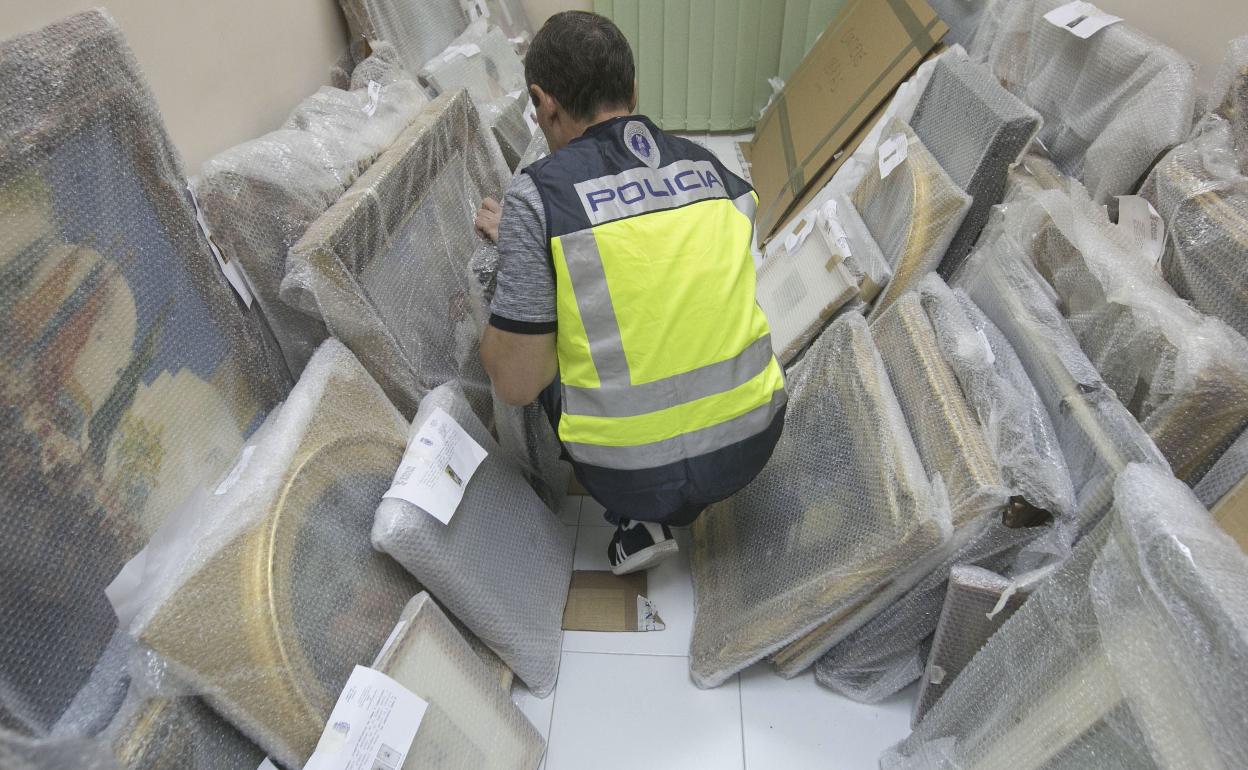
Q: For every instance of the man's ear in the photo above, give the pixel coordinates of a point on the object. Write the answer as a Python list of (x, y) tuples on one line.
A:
[(632, 106), (545, 104)]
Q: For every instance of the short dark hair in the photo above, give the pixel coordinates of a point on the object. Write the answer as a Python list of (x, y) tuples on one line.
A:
[(583, 60)]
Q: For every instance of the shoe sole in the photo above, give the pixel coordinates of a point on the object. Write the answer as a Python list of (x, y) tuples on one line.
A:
[(647, 557)]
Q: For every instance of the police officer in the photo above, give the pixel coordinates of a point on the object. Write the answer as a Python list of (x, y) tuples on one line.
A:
[(625, 298)]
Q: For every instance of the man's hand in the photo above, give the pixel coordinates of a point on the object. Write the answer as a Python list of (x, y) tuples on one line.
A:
[(487, 219)]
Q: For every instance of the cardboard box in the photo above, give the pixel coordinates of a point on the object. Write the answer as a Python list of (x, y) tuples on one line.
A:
[(1231, 512), (832, 98), (601, 601)]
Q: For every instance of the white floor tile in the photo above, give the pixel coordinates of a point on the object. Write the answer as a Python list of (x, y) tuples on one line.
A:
[(538, 711), (668, 586), (641, 711), (591, 513), (797, 724), (570, 511)]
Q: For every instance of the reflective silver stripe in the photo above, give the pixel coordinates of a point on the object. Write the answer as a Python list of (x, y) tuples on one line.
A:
[(626, 401), (642, 190), (680, 447), (746, 205), (593, 300)]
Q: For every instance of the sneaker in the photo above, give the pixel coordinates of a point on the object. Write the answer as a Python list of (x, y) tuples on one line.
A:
[(639, 545)]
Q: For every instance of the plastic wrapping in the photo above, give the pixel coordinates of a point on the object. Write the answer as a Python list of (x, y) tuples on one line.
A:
[(480, 60), (259, 197), (1112, 103), (1182, 374), (1232, 89), (1097, 435), (976, 130), (961, 16), (470, 724), (234, 606), (950, 441), (978, 602), (386, 267), (417, 30), (886, 654), (913, 213), (503, 563), (1202, 196), (524, 433), (802, 286), (1230, 469), (800, 547), (1015, 424), (1121, 659), (132, 372)]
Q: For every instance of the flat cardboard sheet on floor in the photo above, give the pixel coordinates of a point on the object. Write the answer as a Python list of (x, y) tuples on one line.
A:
[(602, 601)]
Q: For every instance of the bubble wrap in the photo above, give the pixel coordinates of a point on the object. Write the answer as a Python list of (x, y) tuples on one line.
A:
[(510, 128), (1015, 424), (885, 655), (913, 214), (524, 433), (238, 610), (801, 288), (961, 16), (1232, 88), (470, 724), (976, 130), (950, 441), (1120, 660), (503, 563), (259, 197), (977, 604), (417, 30), (1203, 198), (386, 267), (1112, 104), (1182, 374), (1034, 172), (480, 60), (149, 732), (1224, 491), (513, 19), (799, 546), (1097, 435), (114, 319)]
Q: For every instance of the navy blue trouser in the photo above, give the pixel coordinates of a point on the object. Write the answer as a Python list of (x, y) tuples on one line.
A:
[(670, 494)]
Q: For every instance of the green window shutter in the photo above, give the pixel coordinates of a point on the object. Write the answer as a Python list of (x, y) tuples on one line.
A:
[(703, 65)]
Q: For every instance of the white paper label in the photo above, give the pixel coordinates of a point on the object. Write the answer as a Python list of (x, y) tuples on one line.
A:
[(1143, 224), (371, 727), (236, 472), (467, 50), (1081, 19), (231, 270), (794, 240), (437, 466), (648, 617), (267, 764), (832, 229), (893, 152), (374, 95)]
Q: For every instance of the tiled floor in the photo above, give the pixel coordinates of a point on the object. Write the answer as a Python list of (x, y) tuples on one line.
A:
[(626, 701)]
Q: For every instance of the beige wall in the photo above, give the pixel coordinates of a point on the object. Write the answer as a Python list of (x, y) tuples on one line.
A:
[(223, 71), (1199, 30), (541, 10)]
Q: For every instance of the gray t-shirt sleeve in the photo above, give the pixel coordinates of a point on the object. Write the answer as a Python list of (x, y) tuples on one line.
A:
[(524, 296)]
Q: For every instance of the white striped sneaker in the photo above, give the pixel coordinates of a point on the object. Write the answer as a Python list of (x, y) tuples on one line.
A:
[(639, 545)]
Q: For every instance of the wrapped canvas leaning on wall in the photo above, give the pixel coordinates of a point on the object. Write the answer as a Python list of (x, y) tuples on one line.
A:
[(797, 549), (236, 608), (1119, 660), (132, 373)]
